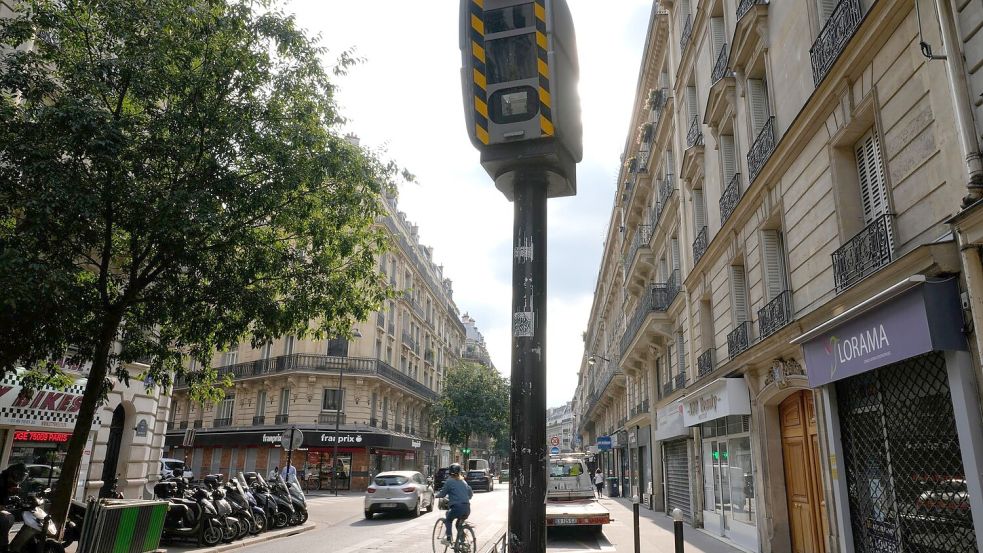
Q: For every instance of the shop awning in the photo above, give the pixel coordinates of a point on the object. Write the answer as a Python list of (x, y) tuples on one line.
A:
[(670, 422), (721, 398)]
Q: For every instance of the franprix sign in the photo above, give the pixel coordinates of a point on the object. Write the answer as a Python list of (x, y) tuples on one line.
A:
[(921, 320), (312, 438)]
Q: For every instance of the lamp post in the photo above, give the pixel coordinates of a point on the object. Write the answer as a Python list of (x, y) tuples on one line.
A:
[(337, 423)]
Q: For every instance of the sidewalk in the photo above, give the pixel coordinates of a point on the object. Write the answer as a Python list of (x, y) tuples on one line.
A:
[(655, 531)]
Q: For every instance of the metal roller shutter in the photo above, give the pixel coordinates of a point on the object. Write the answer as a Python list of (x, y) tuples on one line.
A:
[(676, 457)]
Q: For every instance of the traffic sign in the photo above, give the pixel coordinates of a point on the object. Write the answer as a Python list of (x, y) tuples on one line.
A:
[(555, 441), (554, 451), (604, 443), (292, 439)]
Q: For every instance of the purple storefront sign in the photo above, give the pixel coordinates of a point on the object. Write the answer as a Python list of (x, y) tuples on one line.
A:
[(924, 319)]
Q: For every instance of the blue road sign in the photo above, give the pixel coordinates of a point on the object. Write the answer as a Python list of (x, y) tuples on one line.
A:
[(554, 451), (604, 443)]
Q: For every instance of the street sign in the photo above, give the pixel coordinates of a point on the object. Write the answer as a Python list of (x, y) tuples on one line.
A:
[(292, 439), (555, 441), (554, 451), (604, 443)]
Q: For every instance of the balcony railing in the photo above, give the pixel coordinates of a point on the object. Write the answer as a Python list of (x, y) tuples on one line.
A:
[(761, 150), (837, 31), (700, 245), (281, 419), (409, 341), (198, 423), (220, 423), (730, 197), (864, 254), (680, 381), (183, 425), (687, 32), (694, 135), (675, 382), (259, 419), (308, 362), (641, 240), (398, 427), (330, 418), (720, 68), (170, 425), (775, 314), (428, 355), (373, 422), (704, 363), (380, 320), (666, 187), (655, 299), (739, 339), (746, 5), (673, 285), (385, 425)]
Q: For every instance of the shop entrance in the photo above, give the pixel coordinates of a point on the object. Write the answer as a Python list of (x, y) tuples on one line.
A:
[(320, 470), (803, 483), (112, 452), (730, 506)]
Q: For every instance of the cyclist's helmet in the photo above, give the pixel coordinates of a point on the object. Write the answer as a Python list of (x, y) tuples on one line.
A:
[(455, 469)]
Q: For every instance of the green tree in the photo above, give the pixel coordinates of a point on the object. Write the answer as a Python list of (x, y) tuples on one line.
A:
[(173, 179), (474, 402)]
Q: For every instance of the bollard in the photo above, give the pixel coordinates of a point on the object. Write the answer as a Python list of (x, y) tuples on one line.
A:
[(634, 510), (677, 527)]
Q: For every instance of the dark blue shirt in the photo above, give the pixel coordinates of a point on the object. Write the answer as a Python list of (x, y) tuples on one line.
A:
[(458, 492)]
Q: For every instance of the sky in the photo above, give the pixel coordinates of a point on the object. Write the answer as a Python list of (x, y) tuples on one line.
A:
[(406, 99)]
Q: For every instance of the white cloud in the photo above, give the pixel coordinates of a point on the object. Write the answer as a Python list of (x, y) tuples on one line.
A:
[(406, 98)]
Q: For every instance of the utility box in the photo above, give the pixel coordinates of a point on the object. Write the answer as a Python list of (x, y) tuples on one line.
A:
[(122, 526), (519, 78)]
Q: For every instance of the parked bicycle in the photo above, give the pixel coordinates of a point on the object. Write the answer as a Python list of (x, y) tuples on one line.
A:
[(464, 542)]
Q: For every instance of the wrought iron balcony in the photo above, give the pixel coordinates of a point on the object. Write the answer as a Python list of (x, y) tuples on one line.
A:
[(655, 299), (170, 425), (658, 99), (775, 314), (730, 197), (673, 286), (720, 68), (641, 240), (281, 419), (687, 32), (864, 254), (667, 388), (739, 339), (220, 423), (694, 135), (704, 363), (330, 418), (746, 5), (391, 329), (761, 150), (700, 245), (680, 380), (183, 425), (373, 422), (385, 425), (428, 355), (408, 340), (837, 31), (666, 187), (259, 419), (380, 320), (198, 424)]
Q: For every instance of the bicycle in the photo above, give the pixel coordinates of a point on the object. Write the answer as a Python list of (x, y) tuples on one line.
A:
[(466, 542)]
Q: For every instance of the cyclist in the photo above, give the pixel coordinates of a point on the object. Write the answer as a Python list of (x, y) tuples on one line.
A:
[(458, 494)]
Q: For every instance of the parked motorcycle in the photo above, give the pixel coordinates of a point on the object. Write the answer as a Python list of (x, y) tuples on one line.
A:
[(232, 528), (298, 500), (191, 515), (278, 510), (244, 503), (38, 534)]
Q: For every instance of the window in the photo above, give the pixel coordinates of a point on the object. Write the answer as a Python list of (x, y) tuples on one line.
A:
[(261, 403), (870, 172), (378, 349), (773, 258), (226, 406), (674, 251), (825, 9), (231, 357), (338, 347), (758, 104), (288, 346), (728, 157), (717, 37), (739, 303), (266, 351), (680, 353), (692, 105), (333, 399), (699, 210), (284, 401)]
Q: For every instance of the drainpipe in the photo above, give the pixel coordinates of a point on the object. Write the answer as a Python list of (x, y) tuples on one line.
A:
[(961, 104)]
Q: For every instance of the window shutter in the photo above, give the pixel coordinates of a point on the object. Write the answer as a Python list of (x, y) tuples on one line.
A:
[(873, 188), (739, 294), (699, 209), (825, 8), (758, 97), (728, 158), (669, 163), (681, 352), (774, 263), (674, 246), (684, 9), (664, 268), (716, 36), (691, 105)]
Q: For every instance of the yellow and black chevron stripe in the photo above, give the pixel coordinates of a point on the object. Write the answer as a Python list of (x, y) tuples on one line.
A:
[(478, 71), (545, 103)]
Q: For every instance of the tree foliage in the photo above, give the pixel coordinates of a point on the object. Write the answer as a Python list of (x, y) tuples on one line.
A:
[(172, 180), (473, 402)]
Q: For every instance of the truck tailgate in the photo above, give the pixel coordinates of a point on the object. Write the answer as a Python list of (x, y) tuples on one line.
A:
[(576, 513)]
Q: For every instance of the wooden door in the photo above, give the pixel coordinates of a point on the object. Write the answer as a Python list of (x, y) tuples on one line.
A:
[(805, 511)]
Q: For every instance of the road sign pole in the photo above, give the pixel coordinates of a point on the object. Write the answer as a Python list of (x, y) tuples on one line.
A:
[(527, 494)]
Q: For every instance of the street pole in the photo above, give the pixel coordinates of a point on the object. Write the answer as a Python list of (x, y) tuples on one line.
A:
[(527, 493), (290, 453), (337, 425)]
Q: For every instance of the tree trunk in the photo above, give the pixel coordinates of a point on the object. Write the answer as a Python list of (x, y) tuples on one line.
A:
[(83, 425)]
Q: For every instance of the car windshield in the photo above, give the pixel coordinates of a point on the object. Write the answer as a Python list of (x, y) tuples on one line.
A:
[(564, 469), (171, 465), (391, 480)]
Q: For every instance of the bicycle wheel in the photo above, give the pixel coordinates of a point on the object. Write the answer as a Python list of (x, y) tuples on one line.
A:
[(439, 530), (466, 541)]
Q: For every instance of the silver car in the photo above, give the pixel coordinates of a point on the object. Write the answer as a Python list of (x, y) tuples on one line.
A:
[(403, 491)]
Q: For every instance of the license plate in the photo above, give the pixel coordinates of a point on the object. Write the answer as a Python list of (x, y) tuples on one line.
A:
[(564, 521), (388, 505)]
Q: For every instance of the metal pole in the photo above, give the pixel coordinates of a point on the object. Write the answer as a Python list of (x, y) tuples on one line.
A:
[(677, 528), (527, 492), (634, 516), (337, 435)]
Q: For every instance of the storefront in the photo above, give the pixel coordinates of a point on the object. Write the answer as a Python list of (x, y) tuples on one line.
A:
[(721, 410), (640, 442), (900, 389), (361, 454), (673, 437)]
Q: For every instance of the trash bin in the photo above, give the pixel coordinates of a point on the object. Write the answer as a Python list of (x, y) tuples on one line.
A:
[(613, 486)]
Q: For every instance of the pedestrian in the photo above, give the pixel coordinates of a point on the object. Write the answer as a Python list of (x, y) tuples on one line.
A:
[(274, 472), (599, 482), (289, 473)]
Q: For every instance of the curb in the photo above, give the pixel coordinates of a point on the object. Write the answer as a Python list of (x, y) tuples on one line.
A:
[(264, 537)]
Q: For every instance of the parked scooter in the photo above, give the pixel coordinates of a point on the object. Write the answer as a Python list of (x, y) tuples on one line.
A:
[(232, 528), (192, 518), (278, 510), (38, 534), (297, 500), (241, 498)]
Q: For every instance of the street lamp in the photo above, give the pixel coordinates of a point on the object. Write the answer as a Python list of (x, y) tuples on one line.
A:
[(593, 359), (337, 423)]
